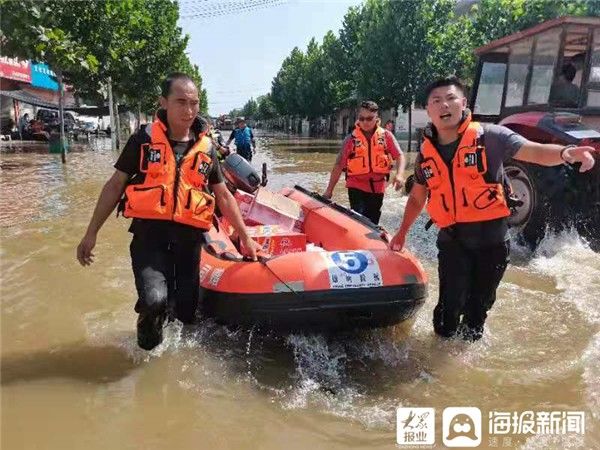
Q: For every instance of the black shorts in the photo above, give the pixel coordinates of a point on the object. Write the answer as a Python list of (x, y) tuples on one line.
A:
[(366, 203)]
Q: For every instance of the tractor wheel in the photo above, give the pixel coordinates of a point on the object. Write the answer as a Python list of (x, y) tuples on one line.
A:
[(540, 189)]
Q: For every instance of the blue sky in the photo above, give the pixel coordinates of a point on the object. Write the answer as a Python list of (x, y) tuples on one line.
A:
[(240, 52)]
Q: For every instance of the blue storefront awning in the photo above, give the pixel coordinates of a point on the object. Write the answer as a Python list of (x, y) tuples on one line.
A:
[(43, 77)]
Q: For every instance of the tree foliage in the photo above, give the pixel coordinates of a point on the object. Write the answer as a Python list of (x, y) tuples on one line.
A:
[(388, 51), (266, 109), (40, 31), (492, 19), (134, 43)]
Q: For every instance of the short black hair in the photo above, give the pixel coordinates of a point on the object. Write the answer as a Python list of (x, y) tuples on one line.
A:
[(165, 86), (441, 82), (569, 71), (390, 121), (370, 106)]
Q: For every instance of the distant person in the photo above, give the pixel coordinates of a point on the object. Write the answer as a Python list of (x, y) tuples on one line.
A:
[(6, 127), (244, 139), (23, 124), (36, 130), (390, 126), (564, 92), (172, 182), (367, 156)]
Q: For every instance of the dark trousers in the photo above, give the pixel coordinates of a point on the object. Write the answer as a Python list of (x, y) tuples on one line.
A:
[(366, 203), (468, 282), (166, 277), (245, 151)]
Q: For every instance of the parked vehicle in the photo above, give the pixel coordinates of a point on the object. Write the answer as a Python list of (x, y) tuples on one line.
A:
[(224, 122), (87, 124), (51, 121), (522, 82)]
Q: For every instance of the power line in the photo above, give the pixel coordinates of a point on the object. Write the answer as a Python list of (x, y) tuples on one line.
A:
[(202, 9)]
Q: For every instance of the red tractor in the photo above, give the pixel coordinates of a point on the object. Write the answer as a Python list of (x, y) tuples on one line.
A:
[(544, 83)]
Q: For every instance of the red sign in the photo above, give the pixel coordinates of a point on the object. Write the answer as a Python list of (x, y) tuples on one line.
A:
[(15, 69)]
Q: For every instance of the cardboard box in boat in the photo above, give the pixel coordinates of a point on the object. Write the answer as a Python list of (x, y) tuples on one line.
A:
[(271, 208), (276, 240), (244, 201)]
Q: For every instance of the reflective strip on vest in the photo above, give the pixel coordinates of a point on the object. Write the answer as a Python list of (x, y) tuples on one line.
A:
[(171, 191), (368, 157), (465, 196)]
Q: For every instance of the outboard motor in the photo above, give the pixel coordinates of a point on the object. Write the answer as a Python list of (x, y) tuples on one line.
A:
[(239, 174)]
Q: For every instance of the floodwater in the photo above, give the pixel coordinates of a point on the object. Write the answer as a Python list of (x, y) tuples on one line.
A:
[(72, 376)]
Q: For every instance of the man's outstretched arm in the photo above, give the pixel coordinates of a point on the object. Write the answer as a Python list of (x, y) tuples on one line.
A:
[(109, 197), (553, 155)]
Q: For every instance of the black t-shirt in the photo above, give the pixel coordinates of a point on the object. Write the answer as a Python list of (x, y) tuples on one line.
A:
[(501, 144), (129, 162)]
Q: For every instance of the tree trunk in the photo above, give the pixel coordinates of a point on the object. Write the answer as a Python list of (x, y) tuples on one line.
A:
[(111, 111), (409, 127), (61, 117), (118, 124)]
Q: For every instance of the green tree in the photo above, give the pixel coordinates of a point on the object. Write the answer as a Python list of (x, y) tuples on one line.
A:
[(266, 108), (403, 45), (286, 90), (236, 112), (142, 46), (493, 19), (38, 30), (317, 93), (337, 71), (250, 109)]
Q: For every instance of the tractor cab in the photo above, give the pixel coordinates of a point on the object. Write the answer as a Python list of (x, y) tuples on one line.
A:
[(553, 67), (544, 83)]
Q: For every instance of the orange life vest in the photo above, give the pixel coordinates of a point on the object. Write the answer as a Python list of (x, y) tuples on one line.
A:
[(462, 192), (368, 156), (172, 191)]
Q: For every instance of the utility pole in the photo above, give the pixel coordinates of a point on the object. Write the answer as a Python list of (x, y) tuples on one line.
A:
[(111, 112), (61, 117)]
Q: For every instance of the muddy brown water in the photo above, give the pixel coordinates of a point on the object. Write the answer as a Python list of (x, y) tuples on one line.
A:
[(73, 378)]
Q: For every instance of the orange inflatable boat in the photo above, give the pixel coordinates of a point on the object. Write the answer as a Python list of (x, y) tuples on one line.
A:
[(345, 278)]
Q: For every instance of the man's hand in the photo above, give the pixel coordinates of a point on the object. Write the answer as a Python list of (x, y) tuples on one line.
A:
[(249, 247), (397, 242), (224, 151), (398, 182), (327, 194), (84, 250), (583, 155)]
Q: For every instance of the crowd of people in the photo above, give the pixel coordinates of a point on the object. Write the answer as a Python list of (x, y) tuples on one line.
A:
[(458, 178)]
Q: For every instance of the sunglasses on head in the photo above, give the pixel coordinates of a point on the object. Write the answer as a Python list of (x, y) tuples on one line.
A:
[(366, 119)]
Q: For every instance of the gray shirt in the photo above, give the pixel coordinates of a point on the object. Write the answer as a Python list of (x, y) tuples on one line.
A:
[(501, 144)]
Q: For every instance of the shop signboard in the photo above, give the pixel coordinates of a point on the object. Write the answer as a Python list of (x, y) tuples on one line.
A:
[(15, 69)]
